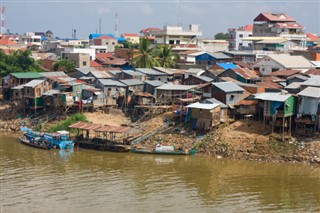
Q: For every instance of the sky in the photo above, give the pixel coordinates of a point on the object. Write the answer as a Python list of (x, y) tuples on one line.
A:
[(212, 16)]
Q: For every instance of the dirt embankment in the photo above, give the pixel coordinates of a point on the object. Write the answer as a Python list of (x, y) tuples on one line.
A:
[(246, 140)]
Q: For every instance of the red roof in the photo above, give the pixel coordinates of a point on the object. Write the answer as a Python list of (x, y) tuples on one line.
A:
[(289, 25), (95, 64), (312, 72), (106, 37), (103, 55), (246, 73), (7, 42), (130, 35), (150, 29), (284, 73), (312, 37), (280, 17), (248, 27)]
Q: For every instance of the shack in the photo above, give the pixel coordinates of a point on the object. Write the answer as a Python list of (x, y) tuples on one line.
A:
[(278, 109), (203, 116), (308, 117)]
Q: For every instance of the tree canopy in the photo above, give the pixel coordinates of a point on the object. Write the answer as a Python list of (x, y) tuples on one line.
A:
[(222, 36), (150, 57), (146, 57), (18, 61), (64, 64)]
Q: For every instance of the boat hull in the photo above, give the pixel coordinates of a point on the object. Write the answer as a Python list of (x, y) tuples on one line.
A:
[(39, 145), (103, 147), (142, 151)]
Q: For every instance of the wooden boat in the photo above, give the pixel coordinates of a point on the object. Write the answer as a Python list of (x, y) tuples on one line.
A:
[(34, 143), (164, 152), (102, 146), (59, 139)]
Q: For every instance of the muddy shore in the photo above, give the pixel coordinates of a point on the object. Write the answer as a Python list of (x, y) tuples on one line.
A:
[(243, 140)]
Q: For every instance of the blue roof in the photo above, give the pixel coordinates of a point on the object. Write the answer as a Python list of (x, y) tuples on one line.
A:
[(95, 35), (227, 66)]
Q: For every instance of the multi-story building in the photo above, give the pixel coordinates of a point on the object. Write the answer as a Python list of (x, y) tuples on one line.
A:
[(31, 38), (279, 25), (176, 35), (237, 34)]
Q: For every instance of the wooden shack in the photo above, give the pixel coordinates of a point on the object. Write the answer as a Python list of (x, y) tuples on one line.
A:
[(203, 116)]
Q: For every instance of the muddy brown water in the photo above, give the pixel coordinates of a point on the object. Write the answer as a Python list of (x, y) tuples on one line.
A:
[(34, 180)]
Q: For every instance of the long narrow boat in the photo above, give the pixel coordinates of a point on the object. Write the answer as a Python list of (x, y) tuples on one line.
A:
[(57, 140), (156, 152), (35, 143)]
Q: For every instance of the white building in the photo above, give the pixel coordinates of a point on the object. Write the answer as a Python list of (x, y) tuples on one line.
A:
[(237, 34), (176, 35), (31, 38)]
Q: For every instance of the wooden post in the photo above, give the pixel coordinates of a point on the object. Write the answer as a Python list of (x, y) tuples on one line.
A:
[(290, 125)]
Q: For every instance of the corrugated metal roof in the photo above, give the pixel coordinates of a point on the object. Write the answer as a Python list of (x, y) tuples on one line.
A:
[(294, 85), (195, 71), (267, 96), (115, 72), (51, 92), (85, 70), (154, 83), (228, 87), (204, 78), (313, 81), (149, 71), (133, 73), (53, 74), (110, 82), (26, 75), (198, 105), (101, 74), (291, 61), (176, 87), (18, 87), (227, 66), (131, 82), (220, 56), (33, 83), (215, 101), (313, 92)]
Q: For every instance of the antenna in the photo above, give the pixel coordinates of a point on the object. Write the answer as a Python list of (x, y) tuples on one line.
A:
[(74, 33), (179, 14), (100, 26), (116, 32), (3, 18)]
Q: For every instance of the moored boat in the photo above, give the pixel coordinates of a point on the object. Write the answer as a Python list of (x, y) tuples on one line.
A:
[(58, 140), (36, 143), (164, 150)]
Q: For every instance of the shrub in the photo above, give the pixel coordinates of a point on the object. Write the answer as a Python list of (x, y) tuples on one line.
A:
[(63, 125)]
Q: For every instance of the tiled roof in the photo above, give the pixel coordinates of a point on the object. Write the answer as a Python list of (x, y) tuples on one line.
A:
[(312, 37), (26, 75), (280, 17), (248, 27), (130, 35), (105, 37), (289, 25)]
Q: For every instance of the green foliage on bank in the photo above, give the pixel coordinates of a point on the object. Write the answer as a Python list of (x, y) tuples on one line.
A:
[(18, 61), (64, 125)]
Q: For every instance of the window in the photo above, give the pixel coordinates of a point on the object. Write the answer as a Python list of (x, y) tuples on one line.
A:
[(84, 63), (107, 43), (177, 42), (241, 35), (171, 41), (231, 98), (113, 43)]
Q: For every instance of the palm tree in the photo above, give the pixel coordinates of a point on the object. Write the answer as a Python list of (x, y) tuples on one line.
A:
[(166, 57), (146, 58)]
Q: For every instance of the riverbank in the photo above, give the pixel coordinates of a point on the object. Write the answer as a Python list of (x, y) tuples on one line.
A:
[(242, 139)]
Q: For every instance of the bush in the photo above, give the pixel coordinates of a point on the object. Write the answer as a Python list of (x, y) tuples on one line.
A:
[(63, 125)]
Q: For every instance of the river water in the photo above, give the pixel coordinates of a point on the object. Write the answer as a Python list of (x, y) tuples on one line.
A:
[(34, 180)]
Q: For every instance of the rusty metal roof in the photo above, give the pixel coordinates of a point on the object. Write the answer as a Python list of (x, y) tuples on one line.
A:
[(84, 125)]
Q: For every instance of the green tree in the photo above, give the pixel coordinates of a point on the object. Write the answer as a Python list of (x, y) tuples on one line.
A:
[(146, 57), (18, 61), (222, 36), (64, 64), (166, 57)]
